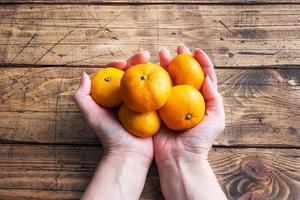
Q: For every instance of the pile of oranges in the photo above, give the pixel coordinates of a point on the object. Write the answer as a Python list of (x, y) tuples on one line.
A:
[(149, 94)]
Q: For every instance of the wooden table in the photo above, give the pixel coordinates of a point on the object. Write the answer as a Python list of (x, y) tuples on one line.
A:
[(46, 151)]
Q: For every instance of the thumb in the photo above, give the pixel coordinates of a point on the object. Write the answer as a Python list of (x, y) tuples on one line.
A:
[(83, 99), (214, 102)]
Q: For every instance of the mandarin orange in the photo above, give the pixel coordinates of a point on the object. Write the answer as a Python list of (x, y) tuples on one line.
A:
[(139, 124), (185, 69), (184, 109), (106, 87), (145, 87)]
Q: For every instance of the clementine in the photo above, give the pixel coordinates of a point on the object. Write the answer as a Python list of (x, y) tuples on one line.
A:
[(106, 87), (185, 69), (139, 124), (145, 87), (184, 109)]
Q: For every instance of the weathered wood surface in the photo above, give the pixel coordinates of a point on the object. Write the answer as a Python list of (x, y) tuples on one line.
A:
[(233, 35), (36, 106), (49, 172), (262, 106), (152, 1)]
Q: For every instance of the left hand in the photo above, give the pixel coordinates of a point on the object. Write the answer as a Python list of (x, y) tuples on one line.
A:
[(117, 142)]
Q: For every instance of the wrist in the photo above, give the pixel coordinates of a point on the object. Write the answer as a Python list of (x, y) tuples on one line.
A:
[(181, 157), (189, 179), (178, 177), (181, 164), (116, 176), (119, 156)]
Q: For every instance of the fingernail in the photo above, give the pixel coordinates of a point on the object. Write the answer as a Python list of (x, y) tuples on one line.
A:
[(147, 53), (198, 49), (162, 49)]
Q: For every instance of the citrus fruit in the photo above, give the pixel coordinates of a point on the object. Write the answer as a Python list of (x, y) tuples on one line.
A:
[(139, 124), (184, 109), (145, 87), (106, 87), (185, 69)]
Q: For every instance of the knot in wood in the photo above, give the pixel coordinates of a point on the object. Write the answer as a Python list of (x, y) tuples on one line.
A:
[(254, 168)]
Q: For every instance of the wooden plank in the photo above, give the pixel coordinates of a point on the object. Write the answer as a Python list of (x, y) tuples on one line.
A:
[(37, 106), (152, 1), (64, 171), (233, 35), (16, 194)]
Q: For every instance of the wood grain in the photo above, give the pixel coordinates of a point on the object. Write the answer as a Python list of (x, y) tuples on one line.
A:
[(152, 1), (44, 48), (64, 172), (16, 194), (261, 106), (238, 36)]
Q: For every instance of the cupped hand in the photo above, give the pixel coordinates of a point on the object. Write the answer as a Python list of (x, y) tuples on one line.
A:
[(114, 138), (196, 142)]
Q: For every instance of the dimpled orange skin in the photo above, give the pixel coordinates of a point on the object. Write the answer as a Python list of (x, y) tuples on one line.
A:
[(139, 124), (185, 69), (106, 87), (184, 109), (145, 87)]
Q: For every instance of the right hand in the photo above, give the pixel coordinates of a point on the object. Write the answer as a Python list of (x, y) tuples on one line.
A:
[(194, 143)]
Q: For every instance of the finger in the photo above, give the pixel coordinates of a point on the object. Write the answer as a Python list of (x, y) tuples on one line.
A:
[(83, 99), (183, 49), (214, 102), (138, 58), (207, 65), (120, 64), (85, 84), (164, 57)]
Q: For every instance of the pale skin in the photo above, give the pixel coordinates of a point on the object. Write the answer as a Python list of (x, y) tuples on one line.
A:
[(181, 159)]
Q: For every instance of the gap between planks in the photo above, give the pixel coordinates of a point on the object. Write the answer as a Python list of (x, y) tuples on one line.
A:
[(150, 2), (12, 65), (237, 146)]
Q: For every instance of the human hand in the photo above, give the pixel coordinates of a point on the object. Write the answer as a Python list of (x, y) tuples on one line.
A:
[(196, 142), (117, 142)]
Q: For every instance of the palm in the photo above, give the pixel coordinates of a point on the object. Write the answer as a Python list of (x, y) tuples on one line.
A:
[(112, 135), (198, 140)]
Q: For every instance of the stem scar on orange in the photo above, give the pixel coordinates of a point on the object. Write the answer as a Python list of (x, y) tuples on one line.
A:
[(139, 124), (184, 109), (145, 87), (185, 69), (106, 87)]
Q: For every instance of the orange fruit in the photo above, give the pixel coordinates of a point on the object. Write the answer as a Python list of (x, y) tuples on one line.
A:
[(145, 87), (185, 69), (139, 124), (106, 87), (184, 109)]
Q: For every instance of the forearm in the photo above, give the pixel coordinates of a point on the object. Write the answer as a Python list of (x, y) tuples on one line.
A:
[(189, 179), (118, 177)]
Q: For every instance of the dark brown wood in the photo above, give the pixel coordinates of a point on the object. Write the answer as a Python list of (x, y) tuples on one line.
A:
[(153, 1), (48, 172), (16, 194), (255, 47), (261, 106), (238, 36)]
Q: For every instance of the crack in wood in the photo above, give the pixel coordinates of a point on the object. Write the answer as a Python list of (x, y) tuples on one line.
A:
[(56, 43), (26, 45)]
